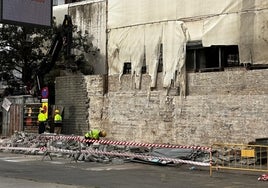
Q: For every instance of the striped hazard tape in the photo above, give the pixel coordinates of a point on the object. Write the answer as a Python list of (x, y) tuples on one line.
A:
[(91, 151), (76, 138), (20, 148), (111, 153), (125, 143)]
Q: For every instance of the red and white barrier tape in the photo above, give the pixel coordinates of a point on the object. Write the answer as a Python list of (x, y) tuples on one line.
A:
[(125, 143), (76, 138), (108, 153), (128, 155), (20, 148)]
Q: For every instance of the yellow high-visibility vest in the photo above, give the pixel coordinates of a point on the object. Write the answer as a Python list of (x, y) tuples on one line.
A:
[(42, 117), (93, 134), (57, 118)]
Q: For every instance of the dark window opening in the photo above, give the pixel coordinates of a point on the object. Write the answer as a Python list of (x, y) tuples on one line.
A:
[(127, 68), (214, 58), (231, 57), (144, 67), (160, 60)]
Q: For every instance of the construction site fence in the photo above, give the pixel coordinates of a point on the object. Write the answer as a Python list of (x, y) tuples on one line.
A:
[(241, 157)]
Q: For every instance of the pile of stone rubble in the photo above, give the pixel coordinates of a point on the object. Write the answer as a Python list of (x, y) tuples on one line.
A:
[(32, 142)]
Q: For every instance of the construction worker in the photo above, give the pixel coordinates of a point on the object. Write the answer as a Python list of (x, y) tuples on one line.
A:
[(42, 121), (57, 117), (57, 121), (95, 134)]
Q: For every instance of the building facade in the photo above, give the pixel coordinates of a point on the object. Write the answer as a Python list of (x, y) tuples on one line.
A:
[(176, 71)]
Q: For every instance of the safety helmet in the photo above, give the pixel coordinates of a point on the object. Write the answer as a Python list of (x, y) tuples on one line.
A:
[(57, 111), (103, 133)]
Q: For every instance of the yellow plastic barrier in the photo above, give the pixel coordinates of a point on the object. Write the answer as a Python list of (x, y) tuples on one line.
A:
[(239, 157)]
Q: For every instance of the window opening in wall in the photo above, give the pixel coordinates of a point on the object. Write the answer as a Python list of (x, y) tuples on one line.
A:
[(160, 60), (144, 68), (127, 68), (208, 59), (230, 56)]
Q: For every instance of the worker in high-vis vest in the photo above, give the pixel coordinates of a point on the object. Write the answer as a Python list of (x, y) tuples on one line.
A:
[(42, 121), (57, 121), (95, 134), (57, 117)]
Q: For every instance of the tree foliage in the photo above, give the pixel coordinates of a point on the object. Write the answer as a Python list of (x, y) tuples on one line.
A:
[(24, 48), (21, 50)]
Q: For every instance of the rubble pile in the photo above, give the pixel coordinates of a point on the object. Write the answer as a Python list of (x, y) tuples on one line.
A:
[(155, 155), (22, 140), (224, 157), (232, 156)]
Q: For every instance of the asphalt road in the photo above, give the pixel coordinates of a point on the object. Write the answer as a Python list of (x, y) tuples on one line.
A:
[(26, 171)]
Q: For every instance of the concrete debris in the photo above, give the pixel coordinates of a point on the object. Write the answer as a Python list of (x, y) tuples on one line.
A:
[(222, 157), (31, 140)]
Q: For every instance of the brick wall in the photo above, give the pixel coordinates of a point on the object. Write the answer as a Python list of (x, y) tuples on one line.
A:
[(72, 95), (229, 106)]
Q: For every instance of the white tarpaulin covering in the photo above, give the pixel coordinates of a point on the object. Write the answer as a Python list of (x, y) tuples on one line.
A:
[(153, 33), (131, 12), (175, 37), (130, 44), (215, 31), (138, 26)]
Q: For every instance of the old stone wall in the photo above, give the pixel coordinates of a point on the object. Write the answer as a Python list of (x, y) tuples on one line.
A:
[(229, 106)]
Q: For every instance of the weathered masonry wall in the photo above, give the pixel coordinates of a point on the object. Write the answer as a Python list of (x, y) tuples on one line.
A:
[(71, 94), (82, 99), (230, 107)]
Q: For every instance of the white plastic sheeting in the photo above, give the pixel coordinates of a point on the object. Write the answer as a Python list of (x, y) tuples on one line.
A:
[(215, 31), (137, 43), (214, 22), (153, 33), (131, 12), (175, 37), (126, 45)]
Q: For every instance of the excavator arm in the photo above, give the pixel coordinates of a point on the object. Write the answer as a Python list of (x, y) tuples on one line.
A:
[(62, 41)]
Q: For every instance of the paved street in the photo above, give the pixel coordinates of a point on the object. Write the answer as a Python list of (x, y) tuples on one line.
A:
[(27, 171)]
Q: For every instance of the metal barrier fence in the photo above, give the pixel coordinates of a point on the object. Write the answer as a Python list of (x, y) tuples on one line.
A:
[(239, 157)]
